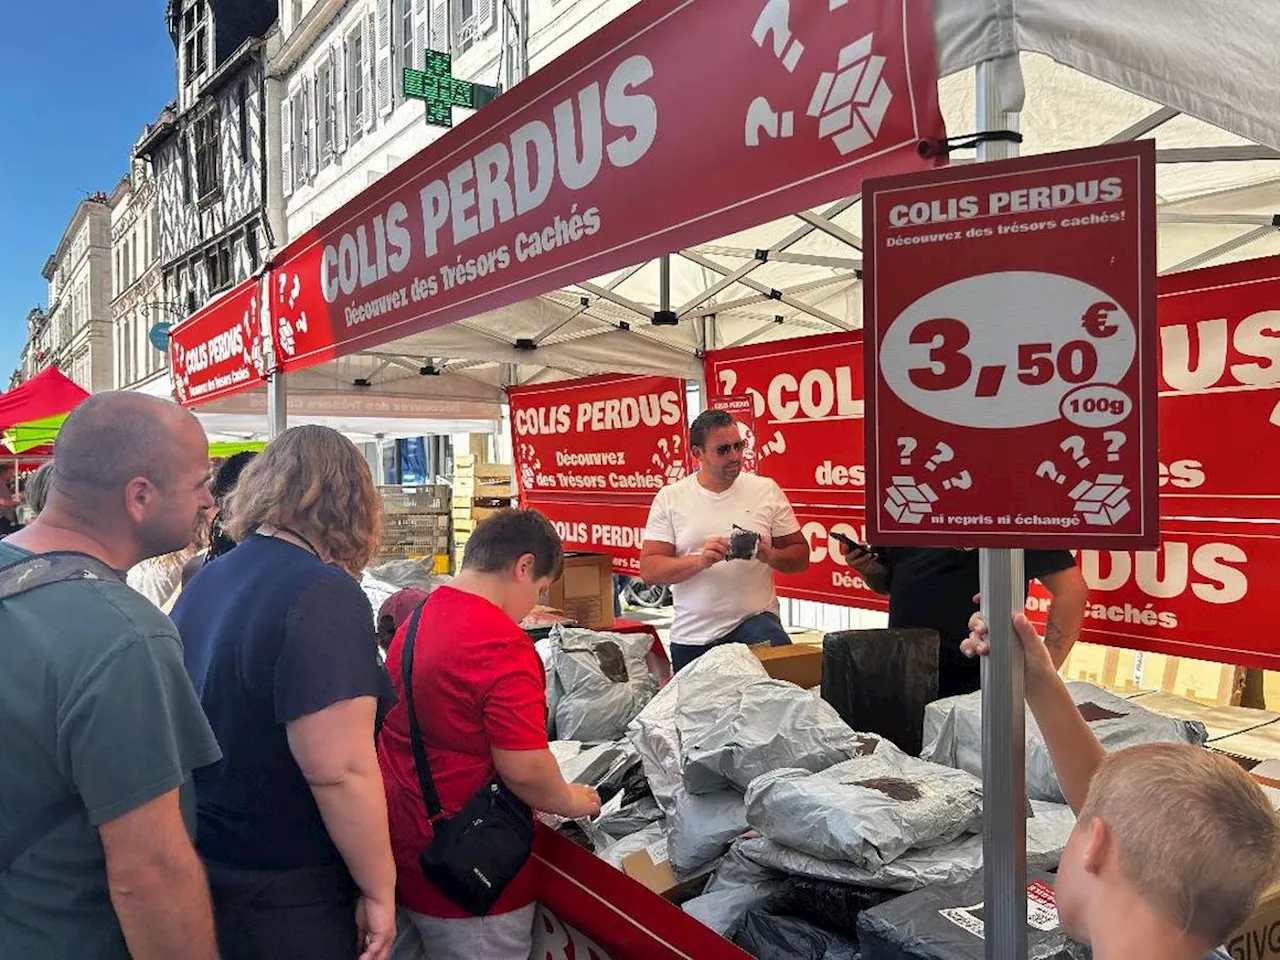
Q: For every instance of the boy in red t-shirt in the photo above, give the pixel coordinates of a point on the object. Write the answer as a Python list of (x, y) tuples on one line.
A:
[(480, 691)]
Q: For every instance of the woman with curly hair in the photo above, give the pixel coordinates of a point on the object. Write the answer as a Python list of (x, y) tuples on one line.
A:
[(279, 641)]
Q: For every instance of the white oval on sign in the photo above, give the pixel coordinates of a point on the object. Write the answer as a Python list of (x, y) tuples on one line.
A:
[(1097, 405), (1001, 350)]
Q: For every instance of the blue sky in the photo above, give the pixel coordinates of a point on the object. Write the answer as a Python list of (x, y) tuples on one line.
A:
[(78, 81)]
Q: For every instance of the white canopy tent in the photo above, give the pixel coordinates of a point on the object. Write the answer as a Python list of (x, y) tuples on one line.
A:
[(1195, 77)]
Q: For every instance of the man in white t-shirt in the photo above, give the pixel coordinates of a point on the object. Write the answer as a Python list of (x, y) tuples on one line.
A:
[(686, 544)]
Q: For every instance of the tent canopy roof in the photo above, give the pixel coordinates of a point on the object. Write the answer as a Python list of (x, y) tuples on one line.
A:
[(1081, 74), (46, 394)]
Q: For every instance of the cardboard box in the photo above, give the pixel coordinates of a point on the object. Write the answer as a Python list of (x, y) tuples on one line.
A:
[(1127, 672), (799, 663), (1259, 938), (585, 590), (651, 868)]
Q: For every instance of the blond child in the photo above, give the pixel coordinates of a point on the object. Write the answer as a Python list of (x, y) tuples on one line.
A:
[(1173, 844)]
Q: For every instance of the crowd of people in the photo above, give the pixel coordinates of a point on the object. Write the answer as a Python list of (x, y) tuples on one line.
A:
[(254, 774)]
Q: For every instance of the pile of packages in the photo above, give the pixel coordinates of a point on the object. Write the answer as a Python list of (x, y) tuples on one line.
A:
[(799, 836)]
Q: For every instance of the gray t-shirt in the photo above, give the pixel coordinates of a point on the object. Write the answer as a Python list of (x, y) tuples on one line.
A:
[(94, 700)]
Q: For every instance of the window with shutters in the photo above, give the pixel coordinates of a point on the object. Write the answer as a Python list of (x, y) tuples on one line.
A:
[(299, 140), (325, 112), (355, 83), (404, 46), (465, 25), (382, 50), (207, 153)]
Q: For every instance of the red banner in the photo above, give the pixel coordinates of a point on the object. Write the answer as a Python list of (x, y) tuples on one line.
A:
[(1011, 365), (1220, 391), (610, 439), (596, 527), (217, 351), (1206, 593), (829, 579), (807, 396), (678, 122)]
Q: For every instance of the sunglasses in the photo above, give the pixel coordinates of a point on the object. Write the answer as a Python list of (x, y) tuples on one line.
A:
[(736, 447)]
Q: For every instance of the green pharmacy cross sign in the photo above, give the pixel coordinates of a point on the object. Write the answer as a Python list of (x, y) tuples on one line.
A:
[(441, 91)]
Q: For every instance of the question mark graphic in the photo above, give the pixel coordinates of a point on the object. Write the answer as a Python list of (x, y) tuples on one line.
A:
[(302, 321), (963, 481), (664, 447), (1075, 447), (762, 118), (907, 446), (284, 280), (773, 19), (1049, 472), (1114, 439), (675, 443), (943, 454)]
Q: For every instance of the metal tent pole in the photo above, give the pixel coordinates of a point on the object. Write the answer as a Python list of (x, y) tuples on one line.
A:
[(277, 405), (1004, 772)]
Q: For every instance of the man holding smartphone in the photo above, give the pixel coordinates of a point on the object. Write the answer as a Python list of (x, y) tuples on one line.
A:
[(934, 587), (717, 537)]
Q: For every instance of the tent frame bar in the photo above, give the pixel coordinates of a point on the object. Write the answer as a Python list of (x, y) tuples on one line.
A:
[(1254, 235), (1144, 126)]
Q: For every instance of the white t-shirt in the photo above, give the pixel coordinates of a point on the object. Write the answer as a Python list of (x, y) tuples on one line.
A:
[(686, 514)]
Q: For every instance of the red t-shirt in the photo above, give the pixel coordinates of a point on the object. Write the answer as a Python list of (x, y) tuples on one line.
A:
[(478, 683)]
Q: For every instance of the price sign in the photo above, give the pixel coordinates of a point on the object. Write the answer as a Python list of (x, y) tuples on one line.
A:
[(1011, 379)]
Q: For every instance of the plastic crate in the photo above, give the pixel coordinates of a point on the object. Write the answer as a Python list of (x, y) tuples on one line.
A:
[(423, 499)]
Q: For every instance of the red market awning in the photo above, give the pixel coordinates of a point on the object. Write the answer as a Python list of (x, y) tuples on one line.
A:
[(46, 394)]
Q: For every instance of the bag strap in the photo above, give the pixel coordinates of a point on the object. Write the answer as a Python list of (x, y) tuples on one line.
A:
[(17, 578), (420, 764), (44, 569)]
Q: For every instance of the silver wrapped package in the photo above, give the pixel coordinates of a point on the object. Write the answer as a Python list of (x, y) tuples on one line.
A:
[(652, 837), (731, 736), (701, 827), (738, 885), (869, 810), (953, 733), (954, 862), (603, 682), (653, 731)]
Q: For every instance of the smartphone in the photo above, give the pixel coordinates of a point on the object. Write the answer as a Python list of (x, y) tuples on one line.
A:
[(851, 543)]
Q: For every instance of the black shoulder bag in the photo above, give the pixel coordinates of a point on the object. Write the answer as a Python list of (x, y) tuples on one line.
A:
[(19, 577), (474, 855)]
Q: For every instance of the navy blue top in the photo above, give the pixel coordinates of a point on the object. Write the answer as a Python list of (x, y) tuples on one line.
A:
[(271, 634)]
